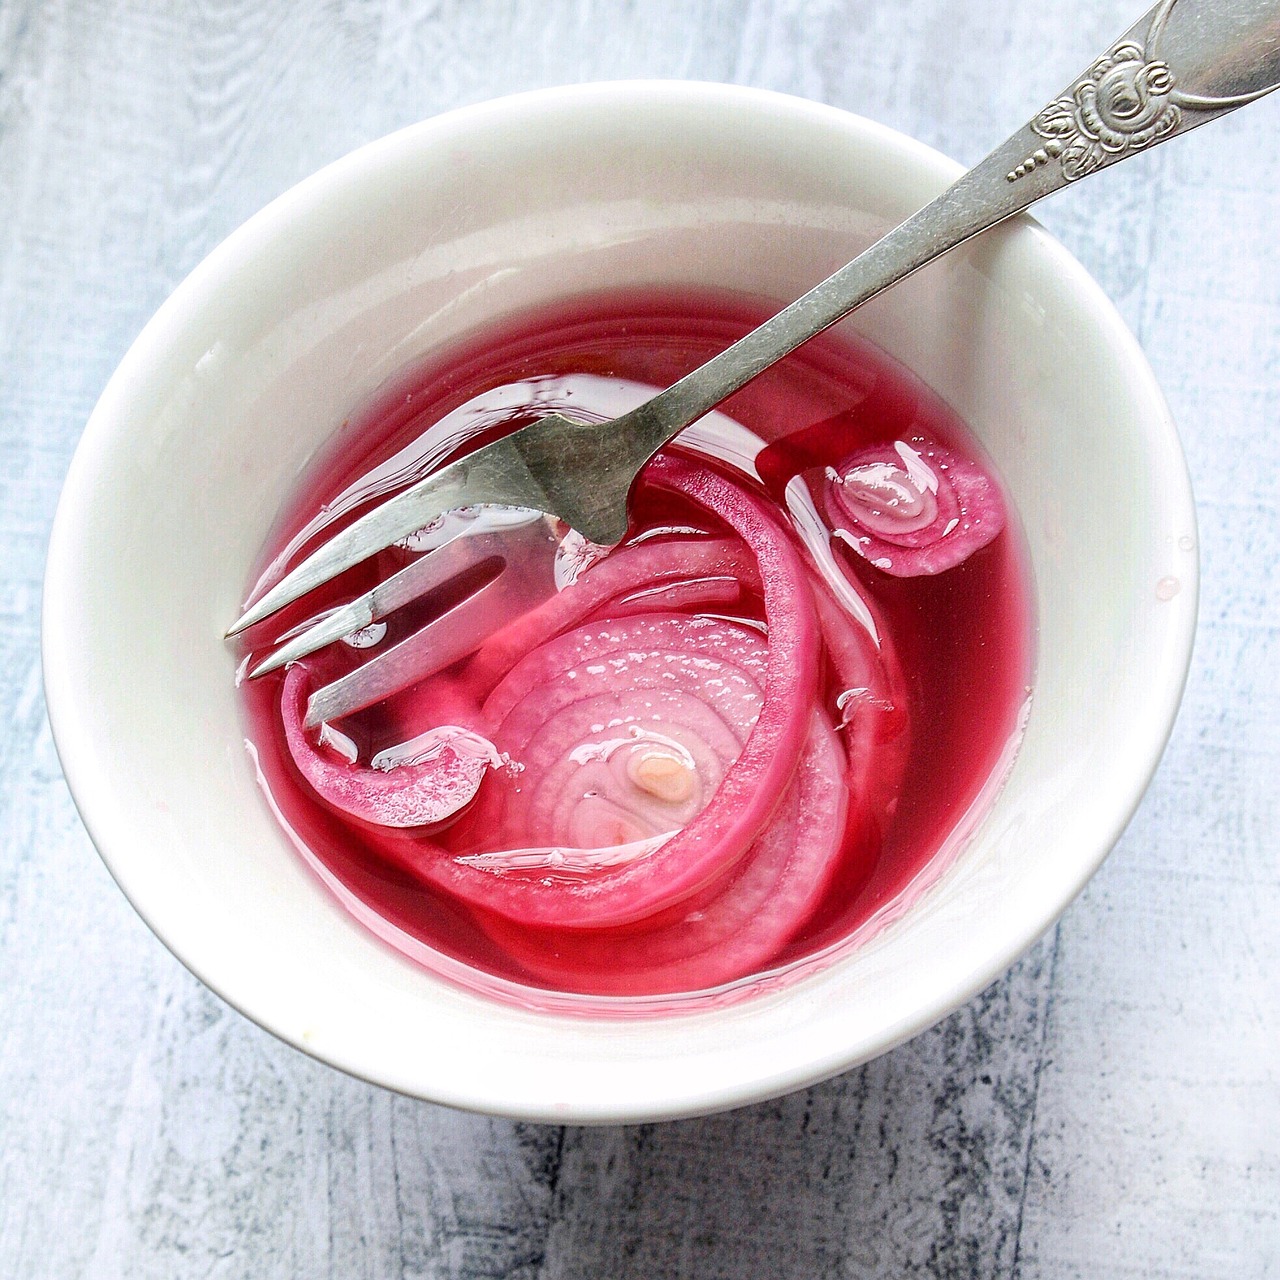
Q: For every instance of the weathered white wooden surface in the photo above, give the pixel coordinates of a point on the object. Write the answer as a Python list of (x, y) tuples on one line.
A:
[(1109, 1108)]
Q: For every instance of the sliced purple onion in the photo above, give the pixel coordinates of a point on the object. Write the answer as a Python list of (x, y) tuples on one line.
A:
[(913, 507), (648, 566), (734, 930), (741, 806), (439, 779)]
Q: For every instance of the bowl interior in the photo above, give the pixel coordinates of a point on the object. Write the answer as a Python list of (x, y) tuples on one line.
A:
[(300, 316)]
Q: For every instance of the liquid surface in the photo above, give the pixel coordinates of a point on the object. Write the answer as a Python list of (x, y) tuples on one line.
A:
[(820, 623)]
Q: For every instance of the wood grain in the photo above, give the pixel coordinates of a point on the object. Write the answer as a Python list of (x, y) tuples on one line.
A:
[(1110, 1107)]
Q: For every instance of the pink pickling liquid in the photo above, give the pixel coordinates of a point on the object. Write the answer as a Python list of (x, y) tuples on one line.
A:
[(956, 651)]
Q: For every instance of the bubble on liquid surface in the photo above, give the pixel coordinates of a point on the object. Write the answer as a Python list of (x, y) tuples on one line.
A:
[(574, 555), (366, 637)]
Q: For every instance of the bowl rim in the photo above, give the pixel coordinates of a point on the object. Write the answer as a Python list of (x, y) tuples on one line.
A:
[(755, 1082)]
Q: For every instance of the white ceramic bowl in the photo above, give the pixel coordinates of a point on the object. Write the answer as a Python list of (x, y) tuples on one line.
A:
[(295, 320)]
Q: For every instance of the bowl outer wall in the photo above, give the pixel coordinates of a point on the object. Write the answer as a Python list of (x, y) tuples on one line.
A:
[(289, 958)]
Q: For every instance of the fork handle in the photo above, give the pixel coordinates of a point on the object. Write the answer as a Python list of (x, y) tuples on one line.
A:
[(1184, 63)]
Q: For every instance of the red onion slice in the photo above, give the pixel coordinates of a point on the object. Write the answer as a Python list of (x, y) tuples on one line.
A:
[(752, 788), (739, 928), (419, 794), (638, 720), (915, 507), (771, 689), (873, 725), (609, 656), (649, 565), (718, 591)]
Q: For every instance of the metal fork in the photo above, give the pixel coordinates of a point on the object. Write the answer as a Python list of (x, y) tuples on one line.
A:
[(1184, 63)]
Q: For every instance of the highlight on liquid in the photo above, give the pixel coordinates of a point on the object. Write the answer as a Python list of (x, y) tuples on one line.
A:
[(712, 756)]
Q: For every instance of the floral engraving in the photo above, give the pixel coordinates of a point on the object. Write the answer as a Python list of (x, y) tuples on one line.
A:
[(1123, 103)]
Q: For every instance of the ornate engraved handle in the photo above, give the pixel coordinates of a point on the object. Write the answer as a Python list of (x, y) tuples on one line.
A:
[(1122, 104), (1130, 97), (1184, 63)]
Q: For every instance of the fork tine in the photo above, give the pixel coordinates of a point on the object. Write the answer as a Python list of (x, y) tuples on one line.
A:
[(431, 648), (444, 640), (497, 473), (425, 574)]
